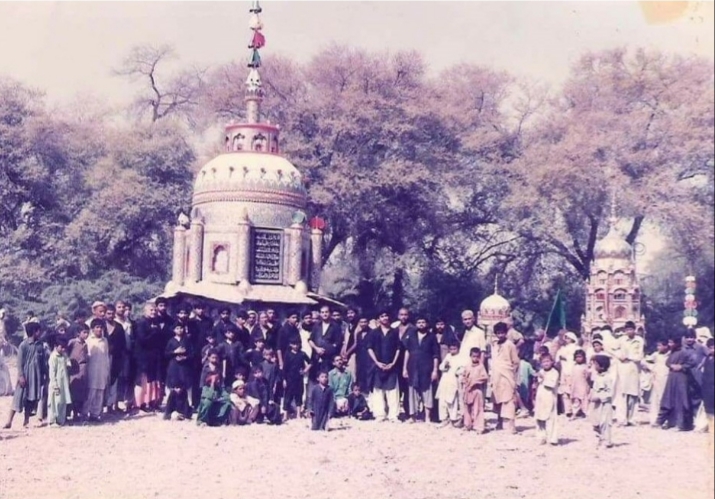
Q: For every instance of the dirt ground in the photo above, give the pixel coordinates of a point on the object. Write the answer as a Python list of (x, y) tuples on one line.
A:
[(146, 457)]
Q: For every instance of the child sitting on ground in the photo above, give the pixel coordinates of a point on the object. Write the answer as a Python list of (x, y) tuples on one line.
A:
[(215, 406), (242, 413), (259, 396), (357, 404), (340, 381)]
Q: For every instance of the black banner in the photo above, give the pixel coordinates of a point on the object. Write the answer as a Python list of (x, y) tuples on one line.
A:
[(267, 256)]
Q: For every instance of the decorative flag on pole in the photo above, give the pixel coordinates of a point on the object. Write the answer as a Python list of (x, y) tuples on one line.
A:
[(258, 41), (255, 59), (557, 314), (690, 314)]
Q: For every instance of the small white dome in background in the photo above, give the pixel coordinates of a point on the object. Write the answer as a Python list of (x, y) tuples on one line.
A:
[(494, 308)]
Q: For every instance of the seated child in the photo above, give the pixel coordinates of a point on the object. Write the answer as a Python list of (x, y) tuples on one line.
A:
[(357, 404), (340, 381), (259, 397), (242, 413), (215, 406)]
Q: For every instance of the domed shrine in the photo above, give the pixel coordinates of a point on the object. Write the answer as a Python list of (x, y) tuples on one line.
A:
[(613, 295), (246, 238), (493, 309)]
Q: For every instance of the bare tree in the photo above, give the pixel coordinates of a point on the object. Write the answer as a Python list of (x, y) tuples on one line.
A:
[(163, 96)]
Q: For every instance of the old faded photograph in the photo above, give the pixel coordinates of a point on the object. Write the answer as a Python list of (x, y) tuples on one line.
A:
[(357, 249)]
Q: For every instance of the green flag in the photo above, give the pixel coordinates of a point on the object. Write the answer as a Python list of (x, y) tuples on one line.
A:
[(557, 316)]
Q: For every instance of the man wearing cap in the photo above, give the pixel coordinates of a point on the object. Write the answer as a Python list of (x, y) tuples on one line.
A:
[(99, 310), (629, 358)]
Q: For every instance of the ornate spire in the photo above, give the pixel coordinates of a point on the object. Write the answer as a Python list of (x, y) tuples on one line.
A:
[(254, 87), (496, 284), (612, 218)]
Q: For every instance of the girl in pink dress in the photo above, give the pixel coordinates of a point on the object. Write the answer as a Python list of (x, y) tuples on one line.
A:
[(579, 384)]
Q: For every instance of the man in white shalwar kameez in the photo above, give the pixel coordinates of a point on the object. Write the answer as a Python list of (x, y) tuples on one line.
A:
[(629, 358), (612, 348), (474, 337)]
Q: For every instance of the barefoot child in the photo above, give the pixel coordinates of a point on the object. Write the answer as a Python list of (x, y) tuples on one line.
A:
[(59, 385), (601, 408), (475, 379), (322, 402), (546, 411), (579, 384), (31, 374)]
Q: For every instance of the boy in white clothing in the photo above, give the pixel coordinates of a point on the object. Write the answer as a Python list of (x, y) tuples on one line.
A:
[(448, 390), (655, 363)]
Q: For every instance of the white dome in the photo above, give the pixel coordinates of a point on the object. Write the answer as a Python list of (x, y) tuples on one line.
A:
[(264, 186), (612, 246), (249, 172), (494, 303)]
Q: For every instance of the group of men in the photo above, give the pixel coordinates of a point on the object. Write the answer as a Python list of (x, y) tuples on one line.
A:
[(394, 363)]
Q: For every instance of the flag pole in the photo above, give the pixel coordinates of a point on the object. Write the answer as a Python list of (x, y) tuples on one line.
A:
[(553, 308)]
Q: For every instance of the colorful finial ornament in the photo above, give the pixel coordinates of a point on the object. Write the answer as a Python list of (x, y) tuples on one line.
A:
[(690, 314), (258, 40)]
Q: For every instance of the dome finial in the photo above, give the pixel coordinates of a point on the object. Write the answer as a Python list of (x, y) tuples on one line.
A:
[(612, 219), (254, 87), (496, 284)]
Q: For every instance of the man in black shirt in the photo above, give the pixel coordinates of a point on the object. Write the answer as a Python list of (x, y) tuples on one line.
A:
[(384, 349)]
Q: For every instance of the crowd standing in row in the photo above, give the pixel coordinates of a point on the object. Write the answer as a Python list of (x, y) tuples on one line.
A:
[(253, 369)]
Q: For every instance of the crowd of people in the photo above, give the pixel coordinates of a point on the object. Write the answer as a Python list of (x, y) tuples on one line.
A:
[(255, 369)]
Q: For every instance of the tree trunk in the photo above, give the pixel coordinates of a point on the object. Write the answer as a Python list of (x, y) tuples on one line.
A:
[(398, 289)]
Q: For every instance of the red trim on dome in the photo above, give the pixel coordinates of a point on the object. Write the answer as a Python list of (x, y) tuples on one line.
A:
[(260, 126)]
